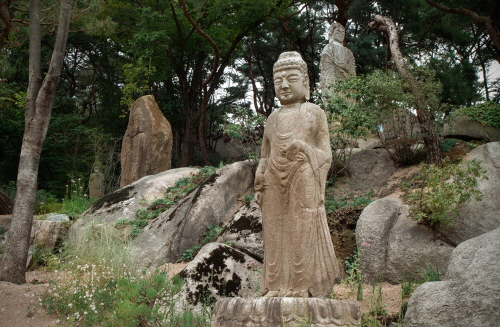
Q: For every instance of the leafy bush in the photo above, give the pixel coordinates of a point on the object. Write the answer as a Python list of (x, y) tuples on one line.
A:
[(486, 113), (441, 190), (360, 105)]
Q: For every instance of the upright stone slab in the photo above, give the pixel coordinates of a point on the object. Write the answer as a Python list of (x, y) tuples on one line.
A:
[(147, 144)]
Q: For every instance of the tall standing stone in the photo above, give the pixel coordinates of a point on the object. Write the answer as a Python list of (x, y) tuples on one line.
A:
[(147, 144)]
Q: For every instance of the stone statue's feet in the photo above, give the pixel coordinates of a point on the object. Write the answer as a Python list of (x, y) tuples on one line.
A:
[(290, 293), (300, 294), (271, 294)]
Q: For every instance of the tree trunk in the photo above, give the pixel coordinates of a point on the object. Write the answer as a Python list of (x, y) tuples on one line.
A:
[(427, 124), (37, 121), (6, 19), (188, 146), (5, 203)]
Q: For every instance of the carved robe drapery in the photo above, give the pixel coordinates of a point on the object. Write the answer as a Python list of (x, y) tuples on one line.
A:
[(299, 255)]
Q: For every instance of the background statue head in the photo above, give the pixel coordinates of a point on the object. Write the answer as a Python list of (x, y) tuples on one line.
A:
[(291, 81), (336, 33)]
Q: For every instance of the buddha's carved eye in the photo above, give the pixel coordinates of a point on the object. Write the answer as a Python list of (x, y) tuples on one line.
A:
[(278, 81), (293, 78)]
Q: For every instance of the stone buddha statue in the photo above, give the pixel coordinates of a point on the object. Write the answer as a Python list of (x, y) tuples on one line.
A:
[(299, 259), (337, 61), (96, 182)]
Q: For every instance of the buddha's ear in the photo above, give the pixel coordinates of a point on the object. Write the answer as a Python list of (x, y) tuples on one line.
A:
[(306, 85)]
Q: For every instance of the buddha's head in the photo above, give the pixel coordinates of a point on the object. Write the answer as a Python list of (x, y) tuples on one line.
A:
[(291, 81), (336, 33)]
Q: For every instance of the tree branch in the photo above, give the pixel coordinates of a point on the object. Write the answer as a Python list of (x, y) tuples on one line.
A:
[(488, 21)]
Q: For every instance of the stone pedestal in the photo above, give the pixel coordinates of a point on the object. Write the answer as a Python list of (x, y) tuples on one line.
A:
[(285, 311)]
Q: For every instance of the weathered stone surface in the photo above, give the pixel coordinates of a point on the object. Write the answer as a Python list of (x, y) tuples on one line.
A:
[(467, 129), (47, 234), (290, 188), (219, 271), (469, 295), (96, 185), (369, 169), (147, 144), (392, 246), (369, 143), (179, 228), (478, 217), (5, 221), (124, 203), (402, 124), (57, 217), (337, 61), (245, 230), (374, 227), (288, 311)]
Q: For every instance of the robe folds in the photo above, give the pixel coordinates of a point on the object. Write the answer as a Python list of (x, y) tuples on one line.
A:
[(298, 252)]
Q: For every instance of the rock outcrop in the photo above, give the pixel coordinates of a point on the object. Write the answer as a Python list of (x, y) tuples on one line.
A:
[(147, 144), (392, 246), (469, 295), (178, 229), (219, 271), (124, 203), (478, 217), (47, 234), (244, 231), (464, 128), (369, 169)]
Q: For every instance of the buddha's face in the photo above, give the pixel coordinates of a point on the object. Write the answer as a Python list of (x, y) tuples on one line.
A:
[(290, 86), (338, 34)]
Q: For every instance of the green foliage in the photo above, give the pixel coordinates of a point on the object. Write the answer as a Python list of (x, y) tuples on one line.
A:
[(486, 113), (448, 144), (408, 285), (46, 203), (248, 198), (76, 200), (210, 234), (333, 203), (431, 274), (441, 190), (242, 132), (354, 270), (101, 287), (376, 309)]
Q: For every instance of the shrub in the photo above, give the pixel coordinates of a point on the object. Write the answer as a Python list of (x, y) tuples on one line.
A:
[(486, 113), (441, 190)]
